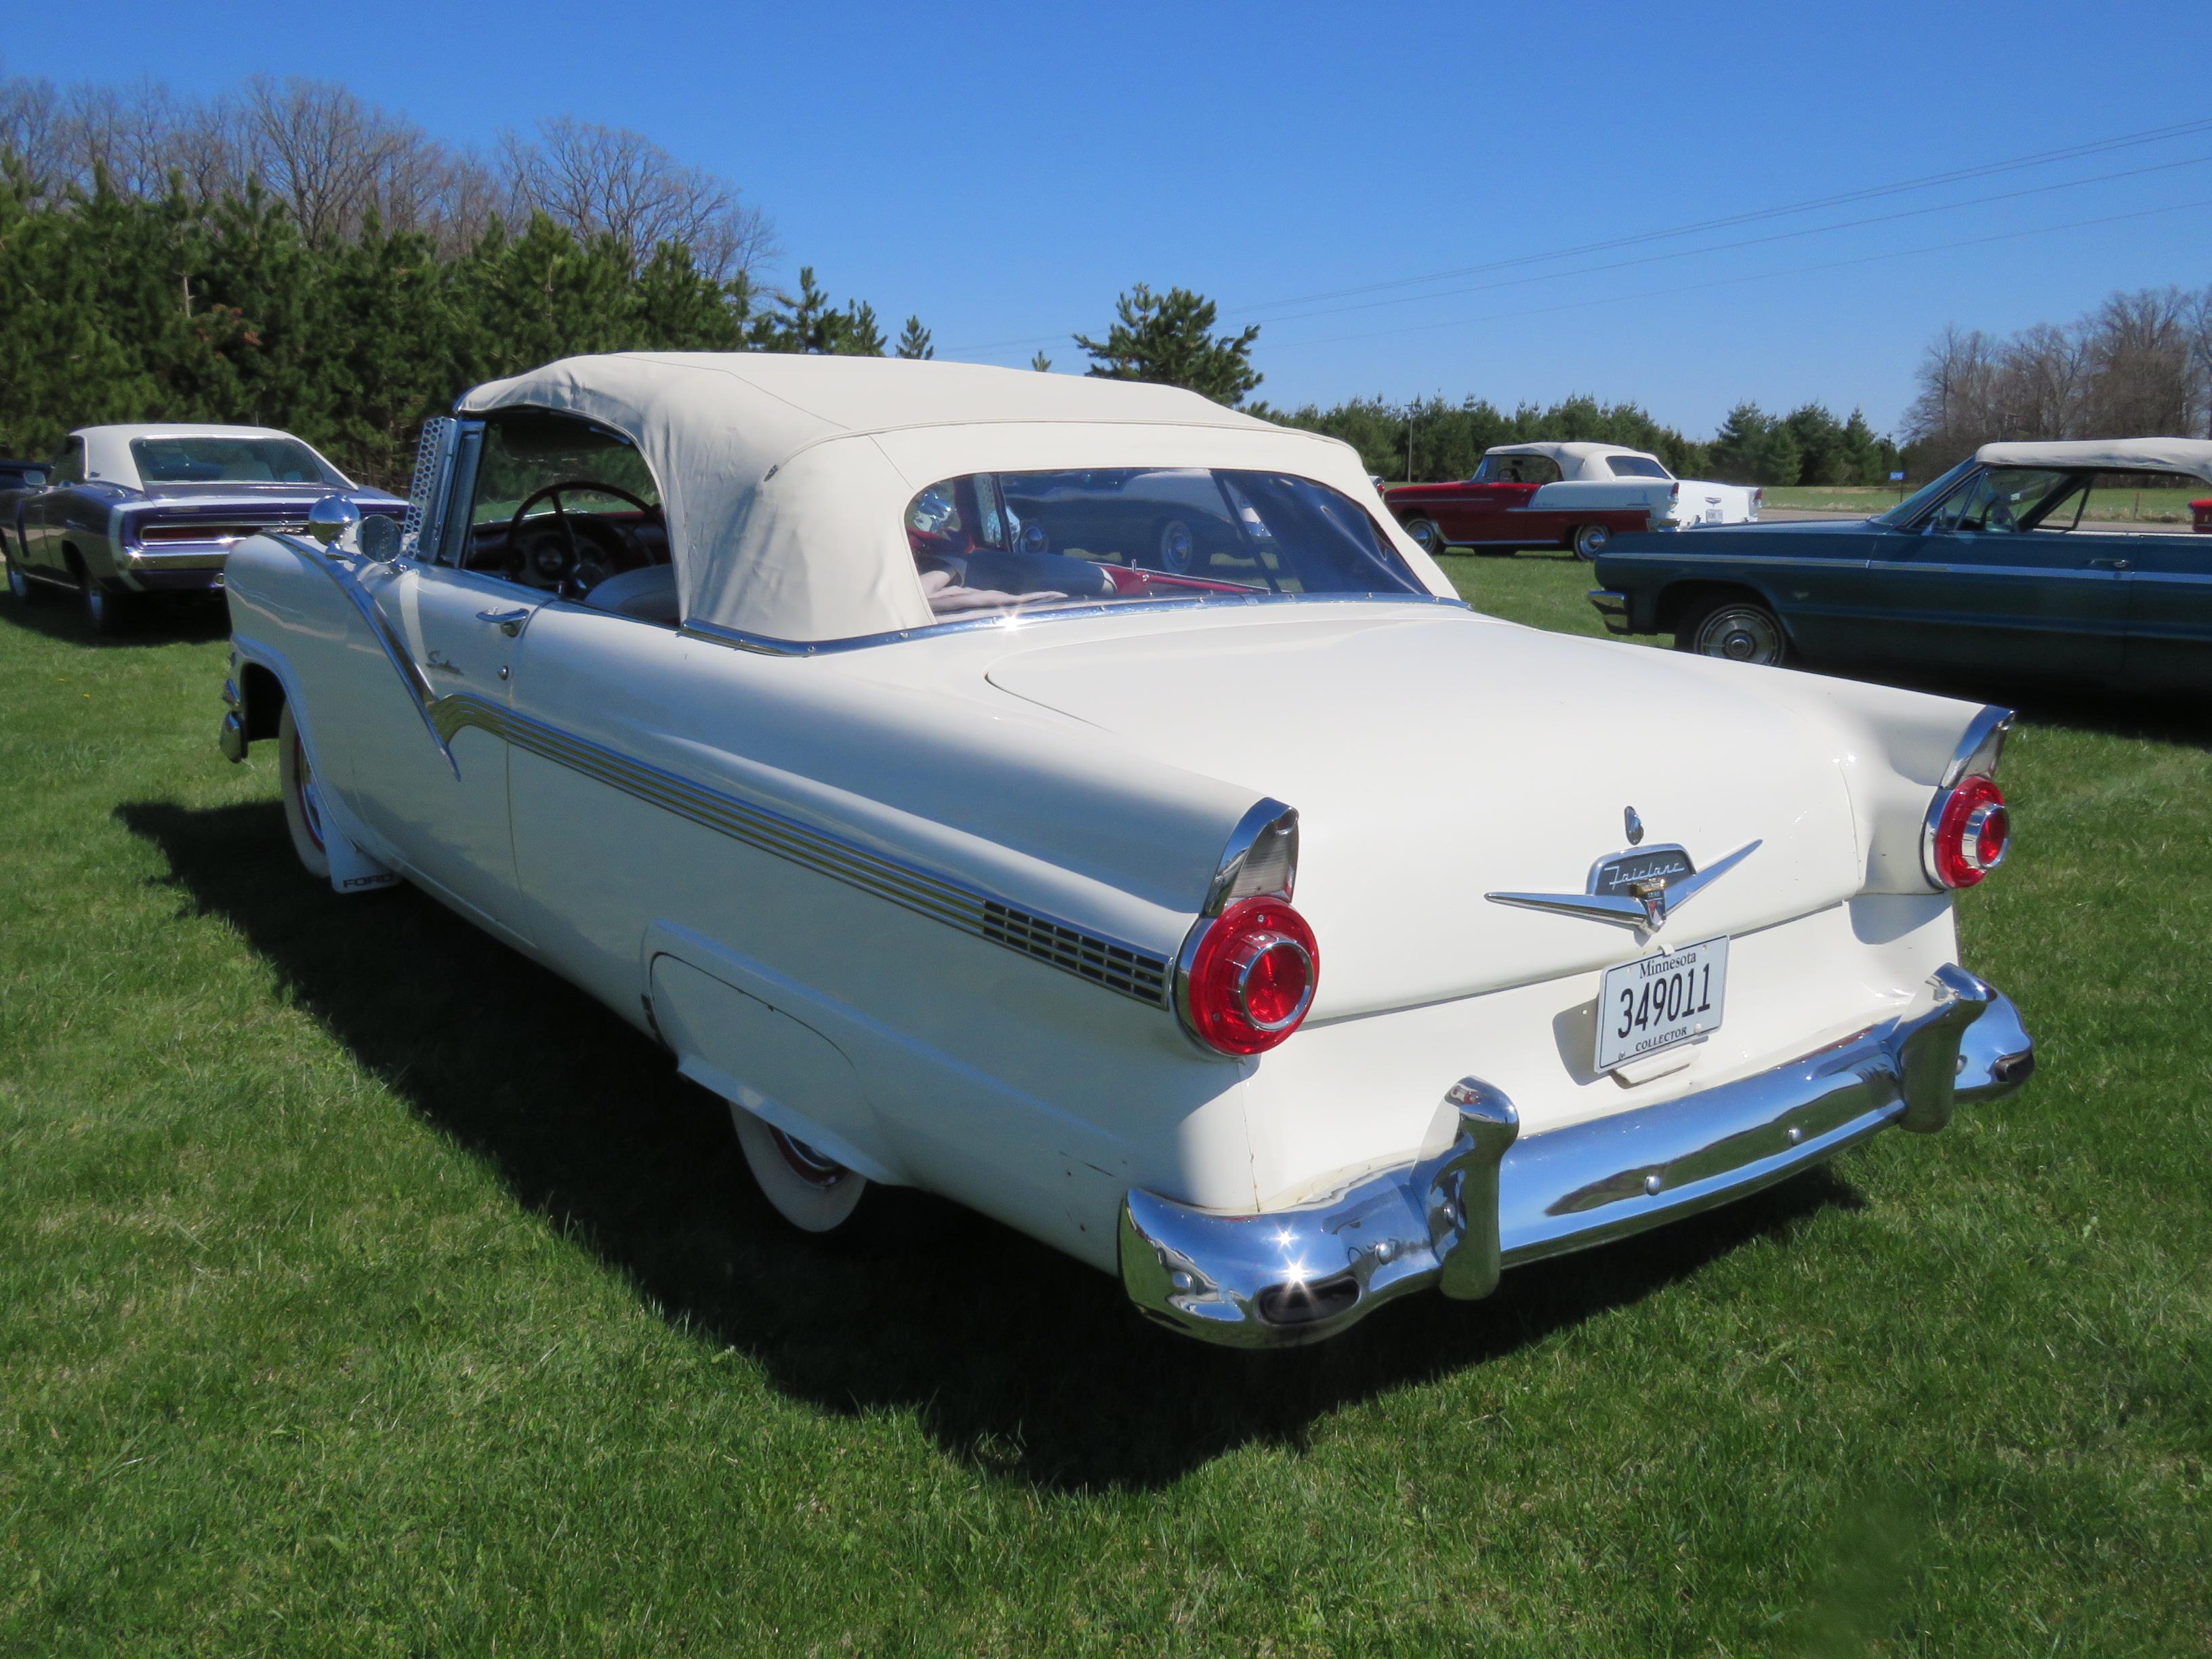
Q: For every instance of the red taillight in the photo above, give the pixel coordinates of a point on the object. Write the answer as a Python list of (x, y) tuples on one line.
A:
[(1252, 976), (1969, 832)]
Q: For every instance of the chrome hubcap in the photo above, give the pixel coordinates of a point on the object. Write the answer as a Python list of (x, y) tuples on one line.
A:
[(805, 1162), (1174, 547), (1740, 636)]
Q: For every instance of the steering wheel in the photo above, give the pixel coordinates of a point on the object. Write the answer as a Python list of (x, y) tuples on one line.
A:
[(567, 562)]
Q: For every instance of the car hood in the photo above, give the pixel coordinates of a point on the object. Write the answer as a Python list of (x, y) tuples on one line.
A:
[(1434, 761)]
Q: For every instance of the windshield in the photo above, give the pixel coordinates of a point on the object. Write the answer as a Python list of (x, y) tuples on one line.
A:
[(212, 459), (994, 543), (1925, 497), (1636, 466)]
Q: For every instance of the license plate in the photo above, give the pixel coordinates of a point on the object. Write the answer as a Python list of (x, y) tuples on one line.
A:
[(1655, 1002)]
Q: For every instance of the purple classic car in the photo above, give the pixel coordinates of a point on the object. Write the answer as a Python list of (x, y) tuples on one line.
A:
[(126, 511)]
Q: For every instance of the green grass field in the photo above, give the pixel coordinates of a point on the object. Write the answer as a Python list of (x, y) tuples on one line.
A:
[(364, 1290), (2105, 506)]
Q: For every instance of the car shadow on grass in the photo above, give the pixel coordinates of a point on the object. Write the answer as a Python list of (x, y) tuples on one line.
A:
[(1012, 1358), (164, 620)]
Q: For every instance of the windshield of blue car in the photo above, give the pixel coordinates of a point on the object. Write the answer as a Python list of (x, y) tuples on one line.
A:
[(1925, 497), (1636, 466), (987, 543), (222, 460)]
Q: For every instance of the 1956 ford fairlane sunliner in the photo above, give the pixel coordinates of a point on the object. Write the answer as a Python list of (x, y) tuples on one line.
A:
[(837, 721)]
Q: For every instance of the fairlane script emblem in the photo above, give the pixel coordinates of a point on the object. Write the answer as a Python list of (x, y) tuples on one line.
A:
[(1640, 888)]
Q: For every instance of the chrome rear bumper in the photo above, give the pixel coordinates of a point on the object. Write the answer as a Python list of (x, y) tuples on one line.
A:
[(1490, 1201)]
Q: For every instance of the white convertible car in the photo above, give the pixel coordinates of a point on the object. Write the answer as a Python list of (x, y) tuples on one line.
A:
[(833, 721)]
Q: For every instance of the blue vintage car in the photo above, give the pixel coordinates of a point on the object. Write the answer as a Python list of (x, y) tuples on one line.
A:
[(128, 511), (1993, 570)]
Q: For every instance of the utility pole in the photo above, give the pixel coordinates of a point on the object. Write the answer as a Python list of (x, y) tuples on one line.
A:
[(1411, 405)]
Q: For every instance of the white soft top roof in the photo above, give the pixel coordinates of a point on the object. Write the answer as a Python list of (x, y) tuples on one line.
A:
[(785, 480), (2190, 455), (1577, 461), (107, 448)]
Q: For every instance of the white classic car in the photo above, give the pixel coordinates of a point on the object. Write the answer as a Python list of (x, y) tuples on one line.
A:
[(831, 720), (1577, 495)]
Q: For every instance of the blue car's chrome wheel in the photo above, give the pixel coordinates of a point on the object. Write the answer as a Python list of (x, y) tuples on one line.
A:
[(1739, 631)]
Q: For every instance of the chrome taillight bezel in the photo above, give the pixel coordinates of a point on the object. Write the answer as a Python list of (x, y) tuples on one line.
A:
[(1977, 757)]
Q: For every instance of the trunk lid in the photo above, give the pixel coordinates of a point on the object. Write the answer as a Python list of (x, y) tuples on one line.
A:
[(1435, 759)]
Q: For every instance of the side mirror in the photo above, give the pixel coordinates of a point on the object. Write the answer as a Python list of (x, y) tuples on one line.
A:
[(378, 539), (330, 517)]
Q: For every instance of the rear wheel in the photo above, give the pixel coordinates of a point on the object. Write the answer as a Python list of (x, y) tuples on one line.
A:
[(1740, 629), (813, 1193), (1178, 547), (107, 613), (303, 810), (21, 587), (1426, 535), (1590, 540)]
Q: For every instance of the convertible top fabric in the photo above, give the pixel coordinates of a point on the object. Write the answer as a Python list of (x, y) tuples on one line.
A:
[(2190, 455), (1577, 461), (786, 479)]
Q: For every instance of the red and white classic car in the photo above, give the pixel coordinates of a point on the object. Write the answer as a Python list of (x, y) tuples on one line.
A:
[(1562, 495)]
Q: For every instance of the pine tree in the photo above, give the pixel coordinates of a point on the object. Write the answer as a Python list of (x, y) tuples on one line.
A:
[(1168, 339), (1041, 363), (858, 335), (914, 343)]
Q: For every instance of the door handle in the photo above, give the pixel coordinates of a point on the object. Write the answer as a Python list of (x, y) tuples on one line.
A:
[(508, 623), (2111, 564)]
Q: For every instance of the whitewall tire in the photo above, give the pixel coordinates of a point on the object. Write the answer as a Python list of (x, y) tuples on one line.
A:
[(812, 1193), (303, 811), (1590, 540)]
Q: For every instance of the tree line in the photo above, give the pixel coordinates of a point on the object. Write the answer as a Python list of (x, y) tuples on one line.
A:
[(2138, 366), (293, 258), (1433, 439)]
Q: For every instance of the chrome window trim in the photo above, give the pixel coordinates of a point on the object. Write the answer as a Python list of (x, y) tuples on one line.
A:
[(738, 639)]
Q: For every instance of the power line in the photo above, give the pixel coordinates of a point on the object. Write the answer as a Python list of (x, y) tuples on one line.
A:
[(1752, 241), (1755, 277), (2042, 158)]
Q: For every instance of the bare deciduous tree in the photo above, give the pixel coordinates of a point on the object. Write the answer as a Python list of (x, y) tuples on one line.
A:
[(599, 181), (2138, 366), (333, 158)]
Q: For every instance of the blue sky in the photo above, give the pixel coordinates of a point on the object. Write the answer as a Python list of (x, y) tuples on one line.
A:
[(1005, 170)]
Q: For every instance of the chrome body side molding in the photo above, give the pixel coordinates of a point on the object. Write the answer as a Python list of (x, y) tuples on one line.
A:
[(1140, 974), (1492, 1199), (337, 566)]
